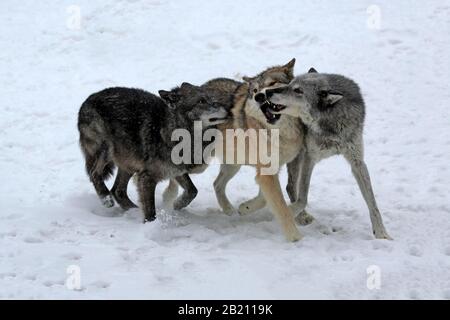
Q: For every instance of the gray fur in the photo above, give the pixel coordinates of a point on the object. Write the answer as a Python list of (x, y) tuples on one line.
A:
[(332, 108), (131, 129), (224, 85), (223, 89)]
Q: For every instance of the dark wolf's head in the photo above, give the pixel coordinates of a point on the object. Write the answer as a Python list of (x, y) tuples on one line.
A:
[(195, 103), (320, 100), (270, 78)]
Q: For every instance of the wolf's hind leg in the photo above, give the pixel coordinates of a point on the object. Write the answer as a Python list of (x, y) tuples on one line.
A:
[(119, 190), (361, 174), (171, 192), (270, 187), (189, 193), (227, 171), (102, 191), (99, 168), (253, 204)]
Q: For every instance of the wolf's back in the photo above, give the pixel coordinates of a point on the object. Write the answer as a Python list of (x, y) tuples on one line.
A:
[(222, 84)]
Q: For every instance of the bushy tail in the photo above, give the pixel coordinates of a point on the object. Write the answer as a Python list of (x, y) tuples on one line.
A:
[(94, 145)]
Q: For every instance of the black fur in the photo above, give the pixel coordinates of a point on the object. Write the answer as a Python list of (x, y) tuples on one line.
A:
[(131, 129)]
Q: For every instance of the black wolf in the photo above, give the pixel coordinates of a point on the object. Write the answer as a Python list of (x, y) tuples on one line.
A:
[(131, 129)]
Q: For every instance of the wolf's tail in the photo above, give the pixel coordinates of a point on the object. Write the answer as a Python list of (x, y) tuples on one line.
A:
[(94, 144)]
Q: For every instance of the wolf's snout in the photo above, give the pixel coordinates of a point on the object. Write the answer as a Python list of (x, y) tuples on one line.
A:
[(269, 93), (218, 116), (260, 97)]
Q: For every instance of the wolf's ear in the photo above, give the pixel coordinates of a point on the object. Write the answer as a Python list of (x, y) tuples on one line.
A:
[(289, 68), (312, 70), (187, 85), (290, 64), (169, 96), (330, 97), (247, 79)]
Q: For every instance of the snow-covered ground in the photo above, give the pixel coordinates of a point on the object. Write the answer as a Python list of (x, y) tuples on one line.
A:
[(50, 217)]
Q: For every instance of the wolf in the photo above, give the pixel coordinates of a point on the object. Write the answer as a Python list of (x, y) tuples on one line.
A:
[(131, 129), (223, 89), (250, 111), (333, 110)]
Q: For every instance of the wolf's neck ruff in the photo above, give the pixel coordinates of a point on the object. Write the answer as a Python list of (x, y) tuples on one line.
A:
[(240, 98)]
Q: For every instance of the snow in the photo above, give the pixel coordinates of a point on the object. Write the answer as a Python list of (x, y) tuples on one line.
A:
[(51, 219)]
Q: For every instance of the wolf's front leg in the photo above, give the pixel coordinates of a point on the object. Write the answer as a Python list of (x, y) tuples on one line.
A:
[(359, 170), (189, 193), (169, 195), (298, 207), (271, 189), (227, 171), (293, 170), (146, 188)]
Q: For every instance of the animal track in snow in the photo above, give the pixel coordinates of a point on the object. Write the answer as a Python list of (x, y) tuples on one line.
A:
[(164, 279), (72, 256), (30, 277), (101, 284), (218, 260), (13, 216), (446, 294), (382, 245), (343, 258), (8, 234), (52, 283), (7, 275), (415, 251), (31, 239), (447, 251), (414, 294), (188, 265)]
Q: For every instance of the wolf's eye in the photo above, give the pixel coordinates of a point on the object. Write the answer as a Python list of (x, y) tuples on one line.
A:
[(202, 101), (272, 83), (298, 90), (255, 90)]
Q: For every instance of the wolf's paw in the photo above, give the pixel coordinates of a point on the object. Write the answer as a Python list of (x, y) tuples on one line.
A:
[(251, 205), (108, 201), (382, 234), (149, 219), (297, 207), (128, 205), (304, 218), (179, 204), (229, 210), (293, 235), (245, 208)]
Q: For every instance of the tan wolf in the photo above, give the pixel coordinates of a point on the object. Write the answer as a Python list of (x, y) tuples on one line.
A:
[(251, 111)]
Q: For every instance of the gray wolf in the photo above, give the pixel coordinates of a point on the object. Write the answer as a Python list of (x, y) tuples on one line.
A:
[(333, 110), (131, 129), (223, 89)]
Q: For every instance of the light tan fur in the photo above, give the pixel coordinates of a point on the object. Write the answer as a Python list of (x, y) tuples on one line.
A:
[(248, 115)]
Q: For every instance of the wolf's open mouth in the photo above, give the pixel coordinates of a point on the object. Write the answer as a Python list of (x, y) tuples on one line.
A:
[(267, 107)]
